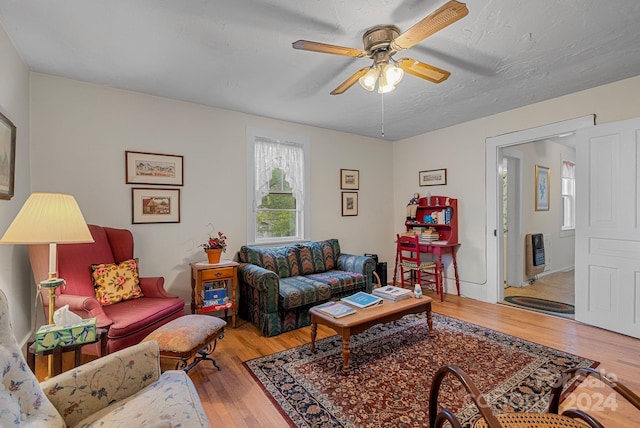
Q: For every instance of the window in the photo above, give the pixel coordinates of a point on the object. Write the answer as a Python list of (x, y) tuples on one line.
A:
[(568, 179), (277, 187)]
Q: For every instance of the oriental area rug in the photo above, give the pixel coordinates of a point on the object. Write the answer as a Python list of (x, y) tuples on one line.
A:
[(391, 368)]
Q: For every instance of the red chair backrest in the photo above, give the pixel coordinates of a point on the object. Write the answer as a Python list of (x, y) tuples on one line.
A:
[(408, 249)]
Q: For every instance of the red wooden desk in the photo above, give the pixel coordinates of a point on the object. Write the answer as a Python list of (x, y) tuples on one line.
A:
[(438, 250)]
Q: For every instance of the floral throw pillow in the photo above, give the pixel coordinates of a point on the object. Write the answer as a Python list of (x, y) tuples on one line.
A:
[(114, 282)]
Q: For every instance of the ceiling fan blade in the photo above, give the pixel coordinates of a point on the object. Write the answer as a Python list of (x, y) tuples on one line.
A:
[(422, 70), (350, 81), (330, 49), (441, 18)]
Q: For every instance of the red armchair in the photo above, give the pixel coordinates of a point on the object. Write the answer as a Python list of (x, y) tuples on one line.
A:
[(127, 322)]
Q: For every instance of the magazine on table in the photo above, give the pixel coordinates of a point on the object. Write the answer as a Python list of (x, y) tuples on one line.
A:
[(363, 300), (336, 309), (391, 292)]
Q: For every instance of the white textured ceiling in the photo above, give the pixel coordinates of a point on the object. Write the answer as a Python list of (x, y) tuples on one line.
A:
[(237, 54)]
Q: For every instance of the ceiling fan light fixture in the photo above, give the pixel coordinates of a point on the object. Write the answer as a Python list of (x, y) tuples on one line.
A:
[(368, 81), (383, 85), (392, 74)]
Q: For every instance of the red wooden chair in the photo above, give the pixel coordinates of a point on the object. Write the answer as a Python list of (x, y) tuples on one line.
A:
[(413, 270)]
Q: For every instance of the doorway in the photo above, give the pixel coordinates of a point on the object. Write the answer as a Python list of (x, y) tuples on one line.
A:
[(495, 151)]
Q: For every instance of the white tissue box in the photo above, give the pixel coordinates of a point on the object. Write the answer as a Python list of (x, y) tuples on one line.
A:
[(51, 335)]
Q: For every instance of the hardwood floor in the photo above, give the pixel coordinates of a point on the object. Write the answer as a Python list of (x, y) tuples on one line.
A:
[(558, 287), (233, 399)]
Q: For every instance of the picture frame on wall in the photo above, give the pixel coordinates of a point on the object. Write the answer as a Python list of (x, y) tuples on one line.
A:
[(542, 188), (432, 177), (154, 168), (349, 179), (349, 204), (152, 205), (7, 157)]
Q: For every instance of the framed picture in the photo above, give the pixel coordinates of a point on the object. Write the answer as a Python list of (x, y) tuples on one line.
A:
[(154, 168), (349, 203), (150, 205), (7, 157), (542, 188), (349, 179), (432, 177)]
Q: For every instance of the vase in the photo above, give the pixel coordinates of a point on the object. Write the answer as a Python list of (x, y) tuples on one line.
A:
[(214, 255)]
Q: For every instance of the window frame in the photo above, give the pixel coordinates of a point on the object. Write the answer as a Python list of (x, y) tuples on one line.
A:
[(304, 207), (566, 230)]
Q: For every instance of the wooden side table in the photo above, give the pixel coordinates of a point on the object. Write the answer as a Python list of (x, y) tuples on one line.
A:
[(223, 273), (101, 336)]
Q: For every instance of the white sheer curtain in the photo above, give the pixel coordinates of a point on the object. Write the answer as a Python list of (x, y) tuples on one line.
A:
[(287, 156)]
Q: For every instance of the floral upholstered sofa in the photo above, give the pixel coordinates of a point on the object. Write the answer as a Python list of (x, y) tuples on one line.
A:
[(278, 285), (122, 389)]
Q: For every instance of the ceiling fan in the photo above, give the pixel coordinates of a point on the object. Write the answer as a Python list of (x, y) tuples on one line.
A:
[(383, 41)]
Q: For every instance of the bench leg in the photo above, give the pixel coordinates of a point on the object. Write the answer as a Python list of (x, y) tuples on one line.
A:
[(203, 354)]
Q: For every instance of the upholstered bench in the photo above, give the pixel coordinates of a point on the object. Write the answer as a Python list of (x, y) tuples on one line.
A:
[(190, 336)]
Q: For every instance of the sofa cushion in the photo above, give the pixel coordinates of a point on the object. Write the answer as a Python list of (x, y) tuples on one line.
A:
[(318, 256), (339, 280), (282, 260), (300, 291), (115, 282)]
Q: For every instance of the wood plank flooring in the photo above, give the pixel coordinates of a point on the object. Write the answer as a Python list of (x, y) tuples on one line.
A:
[(233, 399)]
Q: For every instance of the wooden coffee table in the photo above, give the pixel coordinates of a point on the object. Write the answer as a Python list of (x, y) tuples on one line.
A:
[(366, 318)]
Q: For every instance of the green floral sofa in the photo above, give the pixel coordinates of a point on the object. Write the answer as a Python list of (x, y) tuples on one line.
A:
[(278, 285)]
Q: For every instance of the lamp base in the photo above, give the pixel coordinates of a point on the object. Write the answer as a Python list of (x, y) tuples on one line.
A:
[(51, 284)]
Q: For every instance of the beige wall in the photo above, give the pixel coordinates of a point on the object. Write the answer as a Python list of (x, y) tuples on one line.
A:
[(80, 132), (461, 149), (15, 277), (560, 250)]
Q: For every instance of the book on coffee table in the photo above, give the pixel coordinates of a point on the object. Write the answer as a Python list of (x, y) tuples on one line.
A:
[(336, 309), (363, 300), (391, 292)]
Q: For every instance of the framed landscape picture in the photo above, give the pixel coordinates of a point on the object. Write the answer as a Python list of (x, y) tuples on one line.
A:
[(349, 179), (154, 168), (542, 188), (150, 205), (432, 177), (7, 157), (349, 203)]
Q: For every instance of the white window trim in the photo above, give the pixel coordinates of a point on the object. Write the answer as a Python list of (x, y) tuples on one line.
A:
[(566, 232), (252, 133)]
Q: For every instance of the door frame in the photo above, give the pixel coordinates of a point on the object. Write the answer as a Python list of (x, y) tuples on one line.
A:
[(493, 155), (514, 250)]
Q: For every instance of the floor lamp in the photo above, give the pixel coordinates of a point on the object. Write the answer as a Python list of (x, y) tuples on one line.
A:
[(49, 218)]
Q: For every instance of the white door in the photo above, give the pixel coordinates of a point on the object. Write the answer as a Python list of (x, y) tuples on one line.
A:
[(608, 227)]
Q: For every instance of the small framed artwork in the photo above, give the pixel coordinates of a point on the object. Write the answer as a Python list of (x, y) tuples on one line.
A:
[(432, 177), (150, 205), (7, 157), (349, 179), (154, 168), (542, 188), (349, 203)]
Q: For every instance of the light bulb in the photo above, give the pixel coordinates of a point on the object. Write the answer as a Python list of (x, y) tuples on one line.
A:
[(368, 81), (393, 74), (383, 85)]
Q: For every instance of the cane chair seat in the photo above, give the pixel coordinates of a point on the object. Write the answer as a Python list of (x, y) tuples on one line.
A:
[(553, 418), (531, 420)]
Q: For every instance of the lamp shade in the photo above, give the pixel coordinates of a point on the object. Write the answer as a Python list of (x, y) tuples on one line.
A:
[(47, 218)]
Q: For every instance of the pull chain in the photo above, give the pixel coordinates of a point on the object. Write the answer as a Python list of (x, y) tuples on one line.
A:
[(382, 115)]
